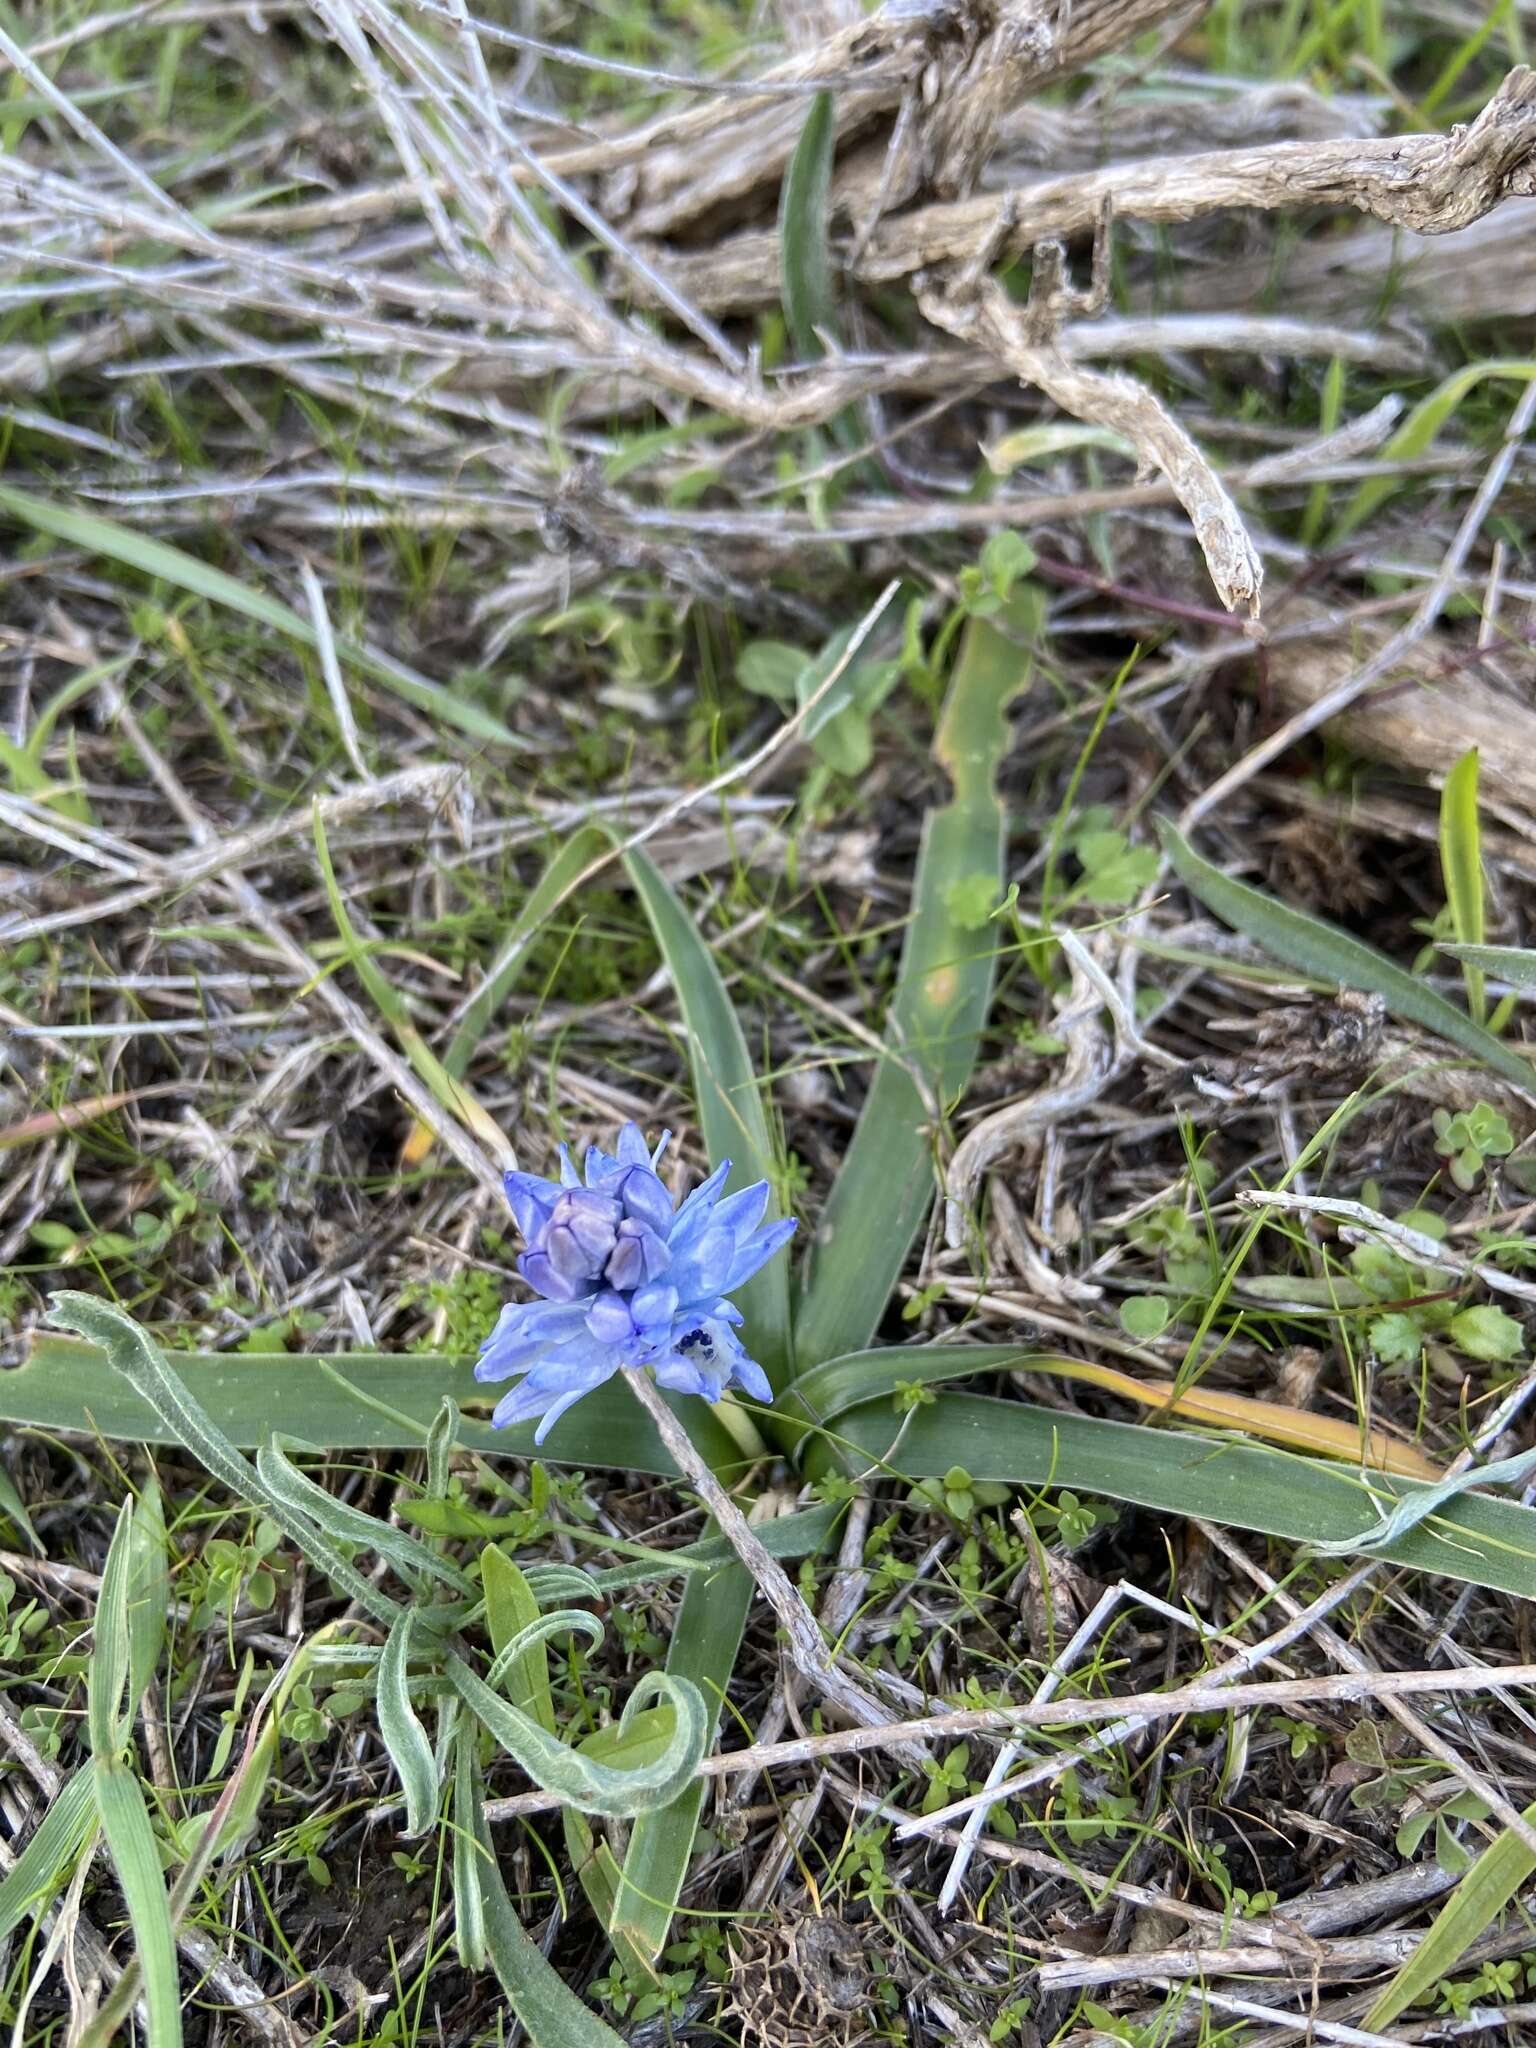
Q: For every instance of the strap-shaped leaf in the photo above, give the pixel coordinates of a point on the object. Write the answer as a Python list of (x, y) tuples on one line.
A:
[(533, 1634), (810, 303), (570, 1776), (142, 1364), (404, 1737), (1323, 952), (727, 1094), (551, 2013), (347, 1524), (352, 1401), (1478, 1538), (552, 1583), (441, 1438), (886, 1184), (468, 1896), (511, 1605)]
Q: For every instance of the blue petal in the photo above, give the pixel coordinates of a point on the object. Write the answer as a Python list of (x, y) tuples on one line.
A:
[(742, 1213), (530, 1199), (757, 1251), (694, 1212), (645, 1198), (609, 1319), (598, 1164), (525, 1332), (569, 1177), (750, 1377), (681, 1376), (702, 1270), (661, 1145), (632, 1149)]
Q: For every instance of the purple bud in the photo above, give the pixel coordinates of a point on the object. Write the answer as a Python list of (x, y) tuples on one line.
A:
[(545, 1278), (590, 1221), (645, 1199), (638, 1256)]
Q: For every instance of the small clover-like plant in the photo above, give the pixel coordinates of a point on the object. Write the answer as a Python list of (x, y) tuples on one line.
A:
[(1469, 1139)]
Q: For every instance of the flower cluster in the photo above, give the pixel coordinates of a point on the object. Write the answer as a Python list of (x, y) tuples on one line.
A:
[(627, 1280)]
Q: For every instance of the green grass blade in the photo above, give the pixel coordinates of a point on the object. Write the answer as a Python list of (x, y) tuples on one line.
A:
[(1514, 964), (1461, 866), (13, 1506), (703, 1650), (1327, 954), (149, 1586), (108, 1671), (46, 1864), (728, 1099), (99, 536), (1478, 1538), (434, 1076), (1470, 1911), (131, 1841), (1416, 435), (355, 1401), (886, 1184), (551, 2013), (468, 1893), (810, 299), (565, 868)]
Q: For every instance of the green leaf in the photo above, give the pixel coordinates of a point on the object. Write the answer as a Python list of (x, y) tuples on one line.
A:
[(98, 536), (45, 1866), (1514, 964), (12, 1505), (468, 1893), (1417, 433), (703, 1652), (1488, 1333), (143, 1365), (407, 1556), (550, 2012), (1477, 1904), (1145, 1316), (886, 1184), (593, 1788), (149, 1586), (136, 1859), (1478, 1538), (108, 1673), (404, 1737), (728, 1099), (565, 869), (1461, 866), (359, 1400), (511, 1607), (771, 668), (810, 299), (1324, 953)]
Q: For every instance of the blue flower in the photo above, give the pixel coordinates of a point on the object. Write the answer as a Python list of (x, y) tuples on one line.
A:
[(627, 1280)]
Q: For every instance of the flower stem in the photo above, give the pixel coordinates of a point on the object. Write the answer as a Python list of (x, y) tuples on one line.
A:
[(807, 1649)]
